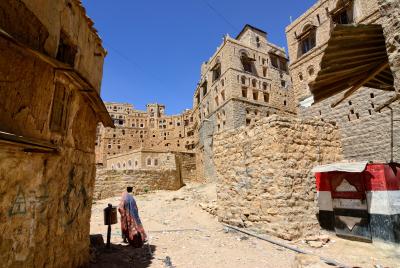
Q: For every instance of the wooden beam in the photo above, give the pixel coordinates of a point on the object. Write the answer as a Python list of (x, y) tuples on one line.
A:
[(388, 102), (382, 66)]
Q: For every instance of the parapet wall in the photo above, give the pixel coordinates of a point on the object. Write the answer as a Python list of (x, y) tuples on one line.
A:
[(110, 183), (263, 174)]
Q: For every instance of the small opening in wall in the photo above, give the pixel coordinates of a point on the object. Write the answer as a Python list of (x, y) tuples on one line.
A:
[(358, 116), (352, 111), (348, 117), (372, 105), (255, 95), (370, 112), (244, 93), (248, 121), (350, 103), (372, 95)]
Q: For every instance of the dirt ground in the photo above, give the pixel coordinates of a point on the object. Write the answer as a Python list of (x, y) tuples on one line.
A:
[(182, 235)]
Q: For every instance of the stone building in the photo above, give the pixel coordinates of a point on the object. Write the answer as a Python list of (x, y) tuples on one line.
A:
[(51, 64), (151, 129), (145, 170), (264, 174), (245, 80), (357, 117)]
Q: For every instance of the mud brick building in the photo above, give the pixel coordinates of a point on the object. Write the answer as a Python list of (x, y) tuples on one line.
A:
[(151, 129), (245, 80), (348, 53), (365, 132), (145, 170), (51, 64)]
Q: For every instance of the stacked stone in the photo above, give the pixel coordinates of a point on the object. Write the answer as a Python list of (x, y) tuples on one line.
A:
[(390, 10), (110, 183), (263, 174)]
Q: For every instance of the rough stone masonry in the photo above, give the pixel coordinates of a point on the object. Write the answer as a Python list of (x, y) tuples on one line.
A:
[(263, 174)]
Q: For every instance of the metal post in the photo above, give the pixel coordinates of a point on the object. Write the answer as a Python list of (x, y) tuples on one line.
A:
[(109, 226)]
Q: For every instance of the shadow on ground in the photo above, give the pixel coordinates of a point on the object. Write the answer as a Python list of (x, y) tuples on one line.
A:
[(122, 256)]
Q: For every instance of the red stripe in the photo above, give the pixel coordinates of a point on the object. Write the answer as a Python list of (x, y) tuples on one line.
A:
[(376, 177), (382, 177)]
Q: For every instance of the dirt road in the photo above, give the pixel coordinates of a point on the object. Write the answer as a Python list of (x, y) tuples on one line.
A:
[(182, 235)]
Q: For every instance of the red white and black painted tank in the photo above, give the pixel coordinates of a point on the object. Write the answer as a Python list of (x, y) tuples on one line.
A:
[(360, 203)]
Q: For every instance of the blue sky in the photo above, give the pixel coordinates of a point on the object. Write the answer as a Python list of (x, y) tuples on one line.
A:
[(155, 47)]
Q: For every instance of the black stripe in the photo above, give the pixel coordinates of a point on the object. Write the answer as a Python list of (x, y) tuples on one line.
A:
[(385, 227), (356, 213)]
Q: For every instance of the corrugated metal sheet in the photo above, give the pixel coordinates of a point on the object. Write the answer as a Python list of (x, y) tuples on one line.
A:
[(355, 56), (353, 167)]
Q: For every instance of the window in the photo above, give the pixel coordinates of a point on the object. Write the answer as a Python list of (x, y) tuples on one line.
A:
[(265, 86), (247, 63), (243, 80), (274, 60), (204, 88), (216, 72), (307, 39), (283, 83), (244, 92), (59, 110), (66, 50), (343, 14), (283, 64), (156, 162), (265, 71), (254, 83), (266, 97), (149, 161), (255, 95), (223, 95)]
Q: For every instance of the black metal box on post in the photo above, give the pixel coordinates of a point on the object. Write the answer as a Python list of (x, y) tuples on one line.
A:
[(110, 218)]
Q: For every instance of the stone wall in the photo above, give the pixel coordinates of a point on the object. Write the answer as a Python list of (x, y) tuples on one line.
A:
[(263, 174), (47, 133), (111, 183), (45, 197), (390, 10), (187, 162)]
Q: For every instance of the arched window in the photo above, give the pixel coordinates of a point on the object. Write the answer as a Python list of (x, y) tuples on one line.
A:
[(130, 163), (149, 161), (307, 39), (155, 162), (254, 83), (119, 165), (243, 80), (343, 13)]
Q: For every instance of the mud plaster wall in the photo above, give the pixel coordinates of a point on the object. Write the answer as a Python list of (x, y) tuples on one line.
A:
[(263, 174), (45, 198), (390, 11), (111, 183)]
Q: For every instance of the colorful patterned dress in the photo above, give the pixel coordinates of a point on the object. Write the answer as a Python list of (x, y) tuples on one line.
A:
[(131, 225)]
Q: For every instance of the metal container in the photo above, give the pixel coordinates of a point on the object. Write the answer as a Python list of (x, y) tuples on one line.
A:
[(110, 215)]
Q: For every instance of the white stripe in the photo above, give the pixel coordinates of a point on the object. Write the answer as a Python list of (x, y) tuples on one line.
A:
[(383, 202), (350, 204), (324, 200)]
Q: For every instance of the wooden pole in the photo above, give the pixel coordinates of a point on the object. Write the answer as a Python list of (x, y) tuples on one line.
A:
[(359, 84)]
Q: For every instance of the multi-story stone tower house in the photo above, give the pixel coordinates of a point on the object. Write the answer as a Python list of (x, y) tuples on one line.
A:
[(307, 39), (246, 79), (150, 130)]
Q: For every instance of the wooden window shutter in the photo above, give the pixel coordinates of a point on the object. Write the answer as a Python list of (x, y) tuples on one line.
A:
[(59, 109)]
